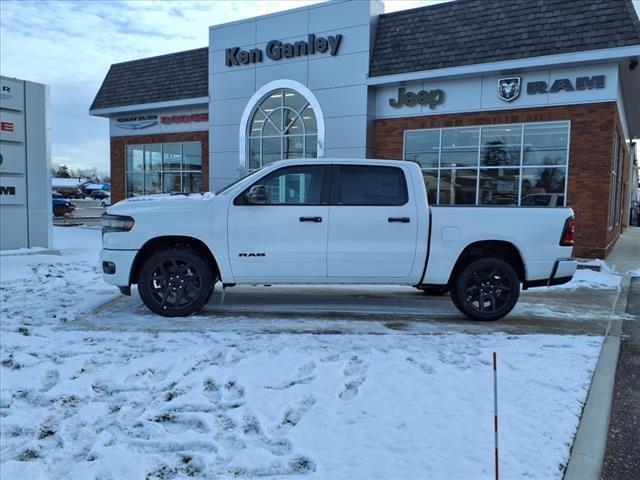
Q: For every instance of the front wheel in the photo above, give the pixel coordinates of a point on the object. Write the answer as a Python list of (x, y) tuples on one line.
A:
[(486, 289), (175, 282)]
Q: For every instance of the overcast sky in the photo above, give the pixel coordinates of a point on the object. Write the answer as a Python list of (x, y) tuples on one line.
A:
[(70, 45)]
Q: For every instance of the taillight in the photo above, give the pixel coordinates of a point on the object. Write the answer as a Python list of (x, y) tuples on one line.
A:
[(568, 233)]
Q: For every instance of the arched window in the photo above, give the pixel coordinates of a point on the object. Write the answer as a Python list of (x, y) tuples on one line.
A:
[(283, 125)]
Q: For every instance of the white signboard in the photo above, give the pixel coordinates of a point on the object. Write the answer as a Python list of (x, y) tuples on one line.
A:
[(25, 160), (13, 190), (11, 94), (12, 158)]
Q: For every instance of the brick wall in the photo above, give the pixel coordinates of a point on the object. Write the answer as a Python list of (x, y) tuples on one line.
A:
[(590, 158), (118, 145)]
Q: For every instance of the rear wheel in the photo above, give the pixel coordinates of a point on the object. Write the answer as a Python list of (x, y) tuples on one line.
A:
[(175, 282), (486, 289), (59, 210)]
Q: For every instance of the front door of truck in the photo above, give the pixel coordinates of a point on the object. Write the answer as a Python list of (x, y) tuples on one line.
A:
[(286, 236)]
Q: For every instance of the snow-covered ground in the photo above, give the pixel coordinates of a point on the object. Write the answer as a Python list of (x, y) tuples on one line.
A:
[(85, 404)]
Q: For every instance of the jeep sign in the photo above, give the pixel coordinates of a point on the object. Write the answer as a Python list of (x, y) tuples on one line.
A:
[(432, 98)]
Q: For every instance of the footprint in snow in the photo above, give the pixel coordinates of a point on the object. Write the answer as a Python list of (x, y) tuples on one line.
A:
[(233, 390), (180, 423), (303, 376), (428, 369), (294, 413), (355, 373), (211, 390), (50, 380), (251, 427)]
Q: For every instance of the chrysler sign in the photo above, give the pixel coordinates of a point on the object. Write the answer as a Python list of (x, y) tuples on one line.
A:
[(276, 50), (137, 122)]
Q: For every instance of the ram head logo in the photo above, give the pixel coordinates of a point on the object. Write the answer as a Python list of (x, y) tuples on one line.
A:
[(509, 88)]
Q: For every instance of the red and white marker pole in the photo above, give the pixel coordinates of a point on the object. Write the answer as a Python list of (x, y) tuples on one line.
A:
[(495, 410)]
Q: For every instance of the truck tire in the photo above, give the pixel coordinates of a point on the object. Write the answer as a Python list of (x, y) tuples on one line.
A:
[(175, 282), (486, 289), (59, 210)]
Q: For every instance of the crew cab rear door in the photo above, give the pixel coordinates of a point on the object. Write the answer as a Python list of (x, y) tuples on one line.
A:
[(373, 223), (285, 238)]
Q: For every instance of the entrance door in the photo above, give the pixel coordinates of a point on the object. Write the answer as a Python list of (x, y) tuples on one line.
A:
[(285, 238), (373, 224)]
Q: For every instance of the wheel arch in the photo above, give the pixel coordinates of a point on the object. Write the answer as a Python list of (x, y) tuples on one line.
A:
[(171, 241), (505, 250)]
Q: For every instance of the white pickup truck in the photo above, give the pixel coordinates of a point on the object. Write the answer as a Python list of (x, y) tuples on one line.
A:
[(332, 221)]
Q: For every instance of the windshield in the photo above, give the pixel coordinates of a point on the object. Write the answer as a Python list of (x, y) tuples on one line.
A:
[(234, 183)]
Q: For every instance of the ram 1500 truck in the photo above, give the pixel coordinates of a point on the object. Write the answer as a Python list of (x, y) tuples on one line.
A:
[(332, 221)]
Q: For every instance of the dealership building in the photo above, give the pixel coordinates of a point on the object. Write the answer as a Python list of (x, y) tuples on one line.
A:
[(529, 103)]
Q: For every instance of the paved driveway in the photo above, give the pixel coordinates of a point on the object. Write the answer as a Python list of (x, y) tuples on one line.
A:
[(361, 310)]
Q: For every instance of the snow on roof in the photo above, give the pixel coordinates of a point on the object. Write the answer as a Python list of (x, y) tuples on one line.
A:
[(94, 186), (68, 182)]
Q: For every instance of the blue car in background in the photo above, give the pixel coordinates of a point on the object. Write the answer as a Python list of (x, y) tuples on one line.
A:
[(62, 207)]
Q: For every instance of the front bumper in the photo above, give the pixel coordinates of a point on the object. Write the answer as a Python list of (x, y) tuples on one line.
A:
[(562, 272), (116, 266)]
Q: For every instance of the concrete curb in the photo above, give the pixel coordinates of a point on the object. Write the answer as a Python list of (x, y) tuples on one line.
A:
[(590, 443)]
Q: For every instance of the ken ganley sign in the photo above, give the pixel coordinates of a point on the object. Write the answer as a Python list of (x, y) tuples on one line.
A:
[(277, 50)]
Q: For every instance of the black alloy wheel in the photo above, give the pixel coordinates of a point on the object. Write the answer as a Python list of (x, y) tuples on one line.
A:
[(175, 282), (486, 289)]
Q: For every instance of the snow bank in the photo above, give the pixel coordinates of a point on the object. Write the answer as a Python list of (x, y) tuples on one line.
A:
[(586, 278)]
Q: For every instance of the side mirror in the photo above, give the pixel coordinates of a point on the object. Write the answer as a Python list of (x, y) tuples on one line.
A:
[(257, 195)]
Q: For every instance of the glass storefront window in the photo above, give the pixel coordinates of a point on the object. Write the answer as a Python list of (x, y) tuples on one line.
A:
[(458, 186), (152, 183), (513, 164), (192, 182), (423, 147), (460, 147), (501, 146), (499, 186), (153, 158), (543, 187), (135, 184), (172, 182), (283, 126), (163, 168), (191, 156), (431, 182), (171, 157), (135, 158), (546, 144)]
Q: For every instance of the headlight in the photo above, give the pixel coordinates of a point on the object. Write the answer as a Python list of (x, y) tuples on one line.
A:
[(116, 223)]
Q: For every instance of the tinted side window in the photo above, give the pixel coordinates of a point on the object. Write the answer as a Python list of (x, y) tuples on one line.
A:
[(300, 185), (368, 185)]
